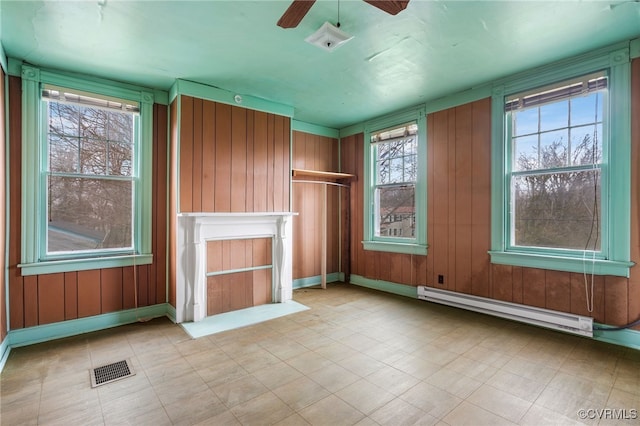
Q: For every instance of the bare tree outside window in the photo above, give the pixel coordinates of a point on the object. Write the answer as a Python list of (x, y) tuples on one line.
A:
[(90, 177)]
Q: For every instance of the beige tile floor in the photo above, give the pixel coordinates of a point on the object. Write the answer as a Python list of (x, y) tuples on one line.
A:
[(356, 357)]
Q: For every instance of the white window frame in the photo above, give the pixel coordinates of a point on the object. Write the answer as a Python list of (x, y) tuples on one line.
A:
[(34, 260), (411, 245), (614, 257)]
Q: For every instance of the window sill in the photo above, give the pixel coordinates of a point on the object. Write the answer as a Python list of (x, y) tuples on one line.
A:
[(562, 263), (69, 265), (407, 248)]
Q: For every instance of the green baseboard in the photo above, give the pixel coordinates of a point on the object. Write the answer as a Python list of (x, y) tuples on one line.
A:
[(59, 330), (626, 337), (317, 280), (389, 287)]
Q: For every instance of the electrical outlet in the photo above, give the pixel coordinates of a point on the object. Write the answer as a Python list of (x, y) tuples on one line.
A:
[(440, 279)]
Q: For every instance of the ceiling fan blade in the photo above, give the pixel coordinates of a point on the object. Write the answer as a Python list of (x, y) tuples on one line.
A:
[(294, 14), (390, 6)]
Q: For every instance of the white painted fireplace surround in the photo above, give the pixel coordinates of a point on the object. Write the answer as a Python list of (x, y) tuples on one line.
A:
[(195, 229)]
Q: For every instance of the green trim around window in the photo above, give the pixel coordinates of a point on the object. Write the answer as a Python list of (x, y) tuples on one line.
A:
[(84, 264), (615, 259), (417, 245), (34, 199)]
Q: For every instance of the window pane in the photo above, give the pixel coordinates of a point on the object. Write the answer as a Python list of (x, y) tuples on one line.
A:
[(120, 155), (586, 145), (93, 123), (586, 109), (554, 148), (63, 154), (554, 116), (525, 121), (88, 214), (396, 211), (93, 157), (63, 119), (557, 210), (120, 127), (526, 153)]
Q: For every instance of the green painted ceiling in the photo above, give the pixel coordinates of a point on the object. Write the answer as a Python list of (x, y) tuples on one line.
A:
[(431, 49)]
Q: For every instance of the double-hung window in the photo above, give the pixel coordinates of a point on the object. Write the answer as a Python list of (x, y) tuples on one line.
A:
[(90, 173), (86, 175), (396, 194), (561, 167), (555, 140), (395, 170)]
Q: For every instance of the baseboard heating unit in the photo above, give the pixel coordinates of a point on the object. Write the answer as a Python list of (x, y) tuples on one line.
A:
[(562, 321)]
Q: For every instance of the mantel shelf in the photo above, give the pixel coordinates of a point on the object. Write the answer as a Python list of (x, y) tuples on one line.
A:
[(320, 174)]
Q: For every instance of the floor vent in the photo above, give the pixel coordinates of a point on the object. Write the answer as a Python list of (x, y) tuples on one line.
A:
[(111, 372)]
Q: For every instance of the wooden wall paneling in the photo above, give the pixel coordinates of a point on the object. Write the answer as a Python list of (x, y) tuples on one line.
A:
[(146, 287), (534, 286), (208, 155), (16, 281), (110, 290), (558, 291), (360, 188), (395, 267), (582, 285), (196, 163), (214, 295), (634, 303), (238, 159), (516, 276), (250, 197), (333, 243), (439, 199), (259, 162), (408, 270), (16, 302), (89, 293), (132, 287), (261, 280), (30, 301), (421, 269), (186, 153), (450, 277), (173, 203), (502, 282), (481, 197), (286, 161), (236, 253), (222, 192), (462, 198), (214, 256), (270, 160), (50, 300), (616, 300), (262, 251), (431, 140), (280, 167), (156, 273), (226, 258), (70, 295)]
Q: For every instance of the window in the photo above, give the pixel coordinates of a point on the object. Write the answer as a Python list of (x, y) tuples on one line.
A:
[(396, 152), (90, 172), (556, 140), (395, 168), (561, 171), (86, 173)]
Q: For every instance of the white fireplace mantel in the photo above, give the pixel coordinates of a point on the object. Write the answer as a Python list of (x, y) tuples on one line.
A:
[(195, 229)]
